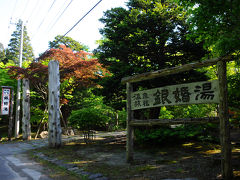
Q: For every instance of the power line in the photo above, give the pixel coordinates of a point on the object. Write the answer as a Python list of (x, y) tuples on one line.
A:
[(14, 8), (77, 22), (38, 7), (33, 10), (39, 26), (13, 12), (24, 9), (58, 17), (47, 30), (46, 14), (61, 14)]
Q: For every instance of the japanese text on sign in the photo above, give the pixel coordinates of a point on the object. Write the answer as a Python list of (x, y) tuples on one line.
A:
[(5, 101), (191, 93)]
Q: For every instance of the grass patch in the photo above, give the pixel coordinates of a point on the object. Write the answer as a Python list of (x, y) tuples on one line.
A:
[(146, 168), (54, 171), (189, 159)]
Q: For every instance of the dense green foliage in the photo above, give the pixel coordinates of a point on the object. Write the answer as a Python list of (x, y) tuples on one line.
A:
[(234, 90), (152, 35), (108, 118), (148, 36), (216, 23), (5, 80), (174, 134), (181, 132), (88, 119), (188, 111)]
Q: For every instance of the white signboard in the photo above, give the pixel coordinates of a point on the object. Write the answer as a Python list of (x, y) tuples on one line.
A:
[(191, 93), (5, 101)]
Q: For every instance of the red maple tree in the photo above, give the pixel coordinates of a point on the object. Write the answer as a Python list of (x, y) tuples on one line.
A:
[(77, 70)]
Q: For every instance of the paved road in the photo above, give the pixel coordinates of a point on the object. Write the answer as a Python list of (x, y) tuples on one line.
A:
[(15, 165)]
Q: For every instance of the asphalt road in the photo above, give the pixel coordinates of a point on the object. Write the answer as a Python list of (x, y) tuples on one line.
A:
[(16, 166), (6, 171)]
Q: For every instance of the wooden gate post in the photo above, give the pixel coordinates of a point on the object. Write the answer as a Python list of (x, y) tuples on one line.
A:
[(54, 126), (130, 131), (10, 125), (17, 115), (226, 150), (26, 126)]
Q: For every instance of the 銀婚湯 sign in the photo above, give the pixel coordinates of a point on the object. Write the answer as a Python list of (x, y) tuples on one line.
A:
[(191, 93)]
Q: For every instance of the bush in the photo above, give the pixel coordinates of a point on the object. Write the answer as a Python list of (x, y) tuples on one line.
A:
[(88, 119), (206, 132)]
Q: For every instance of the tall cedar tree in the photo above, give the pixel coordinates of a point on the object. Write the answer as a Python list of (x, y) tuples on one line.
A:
[(77, 70), (148, 36), (14, 45)]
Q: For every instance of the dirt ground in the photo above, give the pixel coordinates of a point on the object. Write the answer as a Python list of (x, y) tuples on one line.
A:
[(177, 160)]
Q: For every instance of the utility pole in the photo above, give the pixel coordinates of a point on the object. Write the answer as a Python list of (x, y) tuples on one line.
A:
[(17, 117)]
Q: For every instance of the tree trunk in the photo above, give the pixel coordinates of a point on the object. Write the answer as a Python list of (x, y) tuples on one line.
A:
[(26, 126), (54, 126), (63, 121)]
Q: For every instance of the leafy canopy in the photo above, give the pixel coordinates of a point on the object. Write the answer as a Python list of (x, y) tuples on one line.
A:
[(77, 69), (216, 23), (147, 36), (68, 42)]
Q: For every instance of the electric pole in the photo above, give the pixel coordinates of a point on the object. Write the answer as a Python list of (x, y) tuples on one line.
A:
[(17, 117)]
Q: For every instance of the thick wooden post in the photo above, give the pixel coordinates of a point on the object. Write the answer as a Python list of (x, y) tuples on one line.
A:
[(10, 125), (226, 150), (26, 126), (18, 107), (54, 126), (130, 131)]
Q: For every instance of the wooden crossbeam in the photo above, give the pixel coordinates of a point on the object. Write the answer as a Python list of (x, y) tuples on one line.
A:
[(153, 122), (173, 70)]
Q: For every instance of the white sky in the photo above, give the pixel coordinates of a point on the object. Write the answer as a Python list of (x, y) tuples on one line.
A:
[(35, 12)]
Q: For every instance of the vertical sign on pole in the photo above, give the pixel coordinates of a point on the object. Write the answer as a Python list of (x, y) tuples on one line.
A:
[(5, 106)]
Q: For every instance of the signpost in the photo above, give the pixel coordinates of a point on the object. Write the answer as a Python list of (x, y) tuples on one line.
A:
[(6, 91), (192, 93), (7, 106)]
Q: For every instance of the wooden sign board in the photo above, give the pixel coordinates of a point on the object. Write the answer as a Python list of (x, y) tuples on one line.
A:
[(5, 101), (191, 93)]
